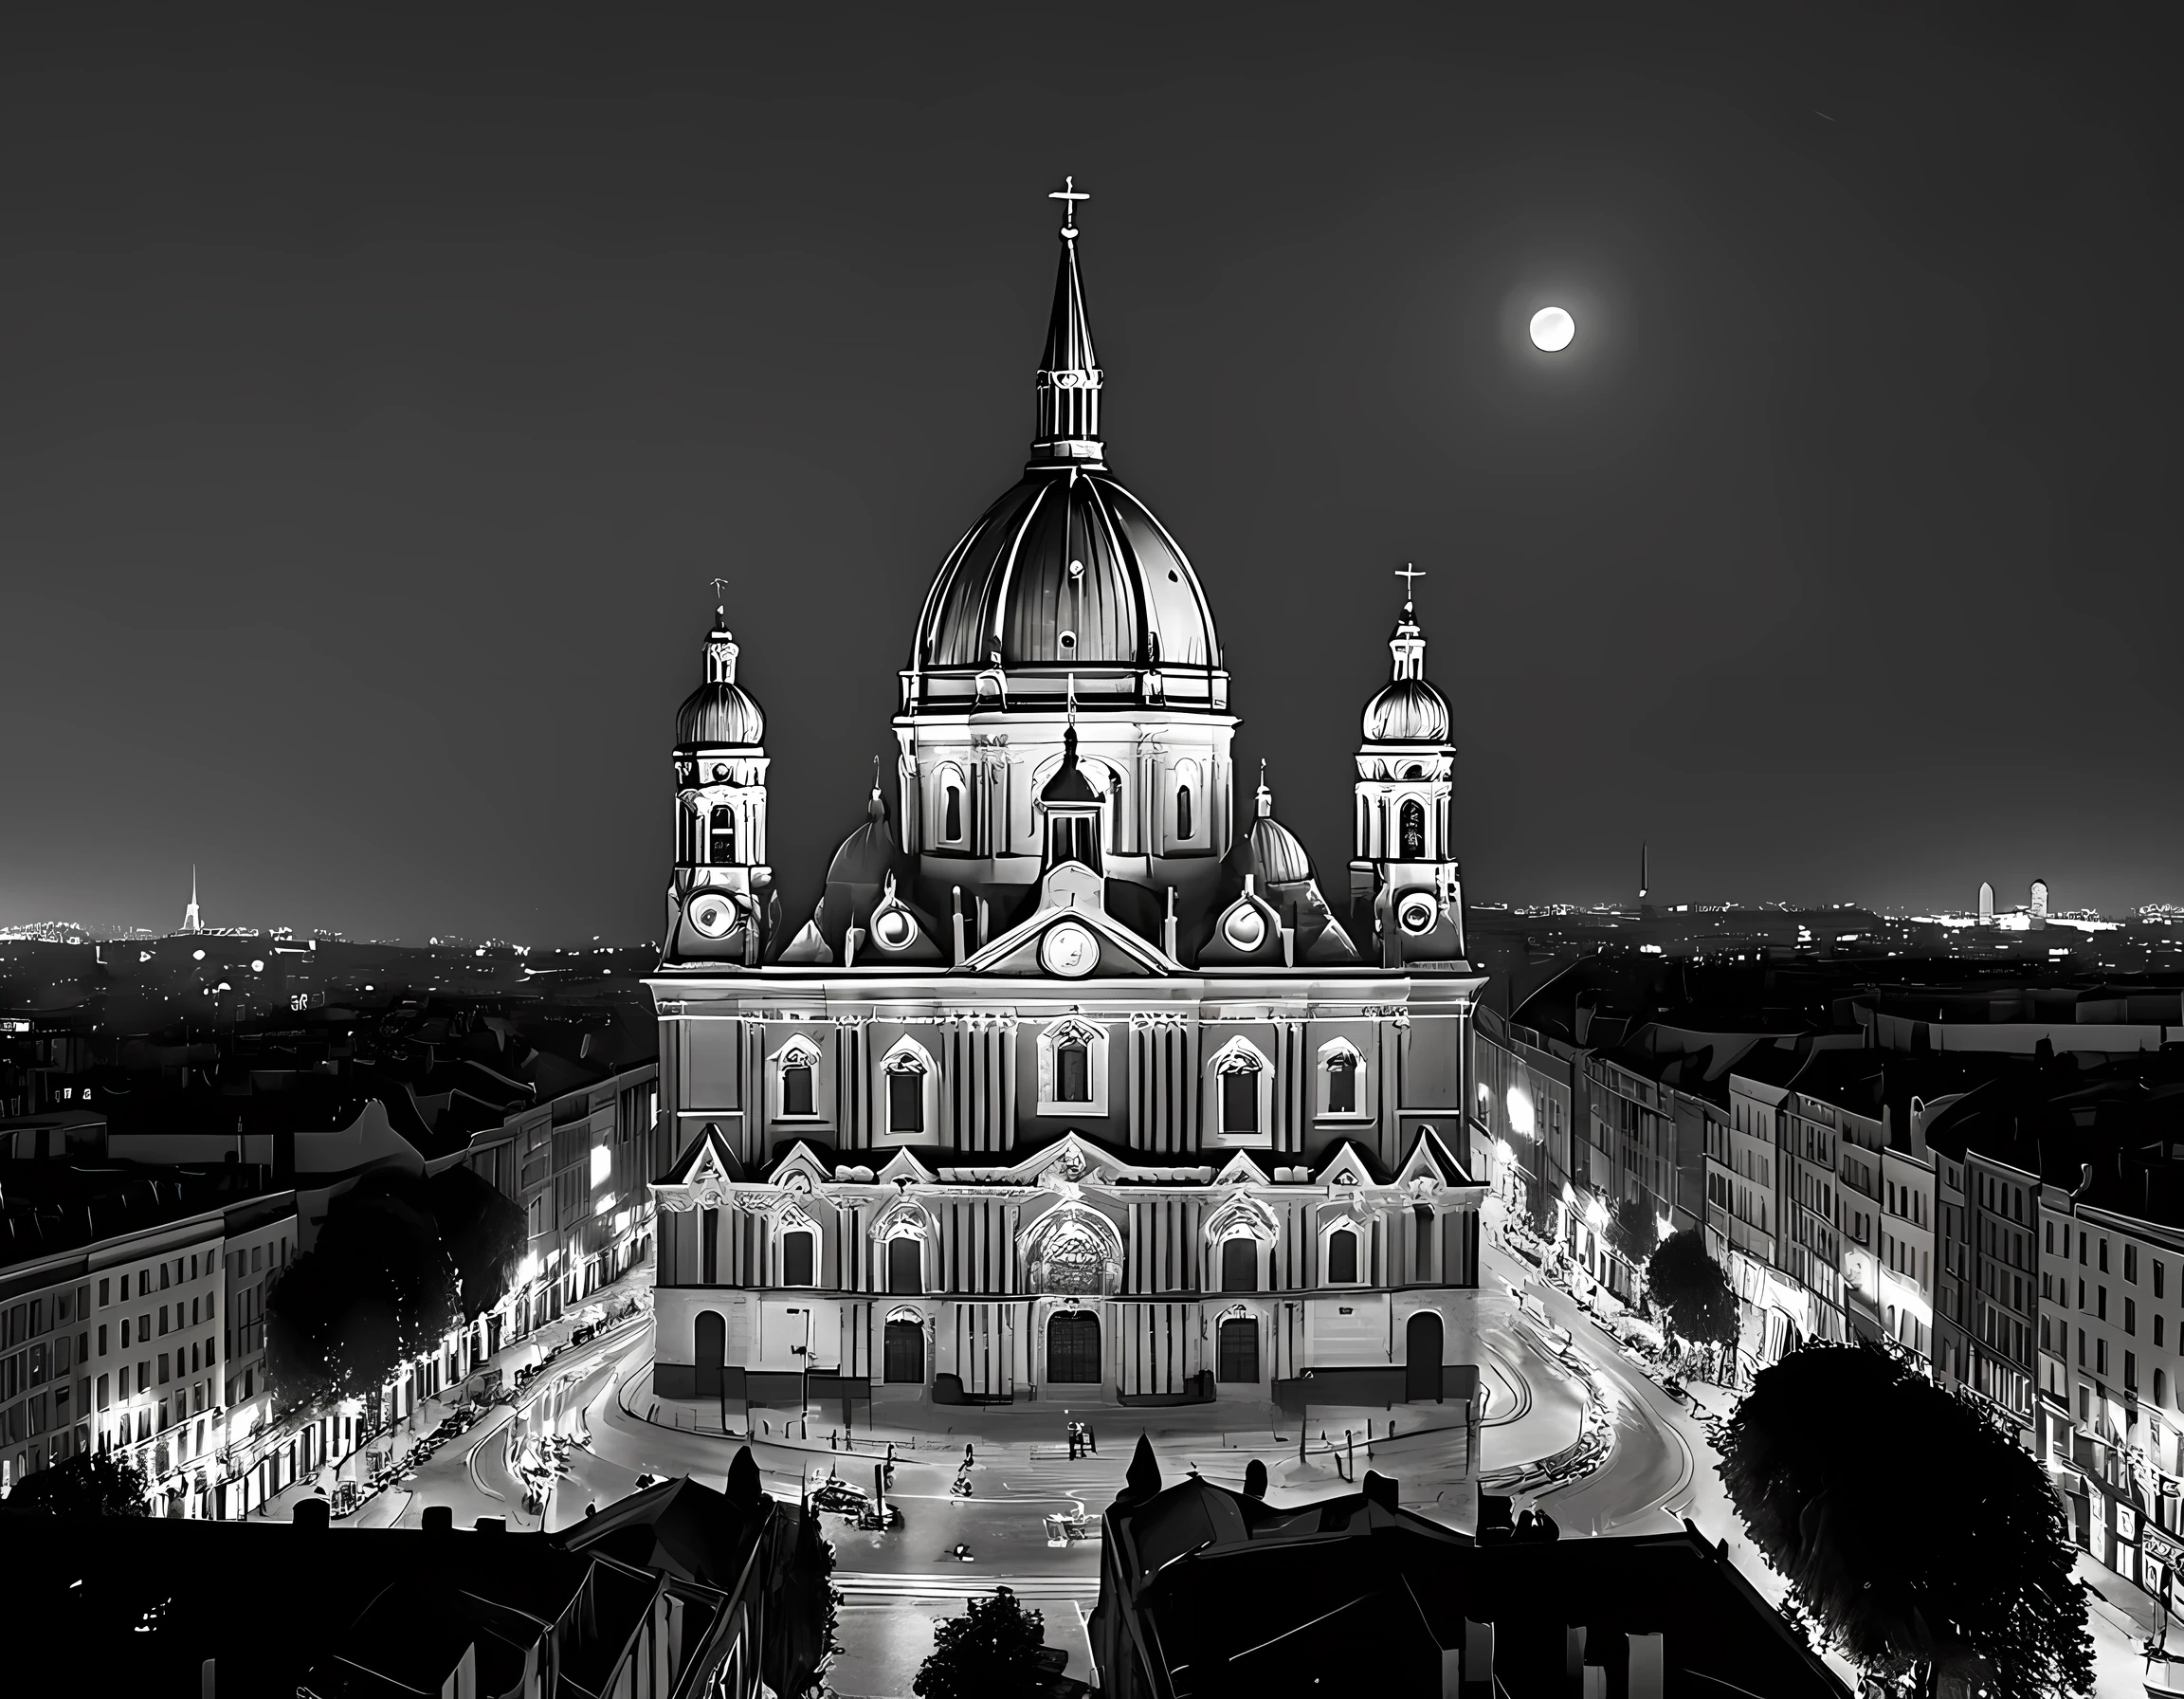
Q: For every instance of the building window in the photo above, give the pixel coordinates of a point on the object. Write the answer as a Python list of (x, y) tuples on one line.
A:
[(1073, 1068), (797, 1087), (1240, 1100), (1072, 1071), (709, 1247), (2131, 1264), (952, 814), (720, 848), (1239, 1265), (1340, 1068), (1412, 830), (905, 1264), (798, 1255), (1342, 1257), (1186, 801), (907, 1073)]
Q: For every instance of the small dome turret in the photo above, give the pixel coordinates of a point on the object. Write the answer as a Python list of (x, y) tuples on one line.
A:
[(1407, 709), (1268, 851), (721, 713)]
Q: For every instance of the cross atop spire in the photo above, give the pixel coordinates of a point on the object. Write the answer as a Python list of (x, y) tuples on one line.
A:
[(1409, 575), (1066, 432), (1068, 194)]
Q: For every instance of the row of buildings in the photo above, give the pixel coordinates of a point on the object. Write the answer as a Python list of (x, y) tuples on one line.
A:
[(141, 1234), (673, 1592), (1987, 1175)]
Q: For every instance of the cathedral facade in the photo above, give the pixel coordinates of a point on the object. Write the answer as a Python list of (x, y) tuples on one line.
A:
[(1073, 1086)]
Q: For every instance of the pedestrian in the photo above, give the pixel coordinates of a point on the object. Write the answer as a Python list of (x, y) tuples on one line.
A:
[(968, 1459), (1076, 1441), (1091, 1444), (834, 1437)]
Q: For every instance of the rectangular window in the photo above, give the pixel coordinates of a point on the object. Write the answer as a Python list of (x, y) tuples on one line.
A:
[(1072, 1072), (102, 1285), (2130, 1315), (163, 1375), (905, 1265), (102, 1338), (2130, 1263), (2103, 1256), (2130, 1371), (1239, 1101), (796, 1088), (907, 1102), (255, 1251), (2100, 1356), (2158, 1270), (1239, 1265), (709, 1247), (796, 1259), (1341, 1086), (103, 1398), (2101, 1301)]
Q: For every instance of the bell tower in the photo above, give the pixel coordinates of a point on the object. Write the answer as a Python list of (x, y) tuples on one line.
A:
[(720, 904), (1406, 886)]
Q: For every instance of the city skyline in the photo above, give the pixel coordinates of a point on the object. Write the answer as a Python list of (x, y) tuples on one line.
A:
[(314, 482)]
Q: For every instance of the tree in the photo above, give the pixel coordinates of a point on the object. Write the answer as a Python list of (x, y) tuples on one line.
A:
[(88, 1483), (1631, 1232), (1690, 1286), (985, 1654), (484, 1233), (376, 1291), (1972, 1572)]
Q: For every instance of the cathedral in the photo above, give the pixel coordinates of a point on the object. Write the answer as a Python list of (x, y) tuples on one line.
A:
[(1075, 1086)]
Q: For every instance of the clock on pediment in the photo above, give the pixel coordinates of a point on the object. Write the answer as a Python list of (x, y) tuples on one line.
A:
[(1069, 951)]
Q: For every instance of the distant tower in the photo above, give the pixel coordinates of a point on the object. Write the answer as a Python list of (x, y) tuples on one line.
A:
[(1986, 904), (190, 921), (2039, 902)]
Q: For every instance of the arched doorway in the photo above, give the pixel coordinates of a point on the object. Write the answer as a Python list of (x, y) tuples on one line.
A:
[(902, 1353), (1237, 1358), (1073, 1348), (1421, 1357), (712, 1342)]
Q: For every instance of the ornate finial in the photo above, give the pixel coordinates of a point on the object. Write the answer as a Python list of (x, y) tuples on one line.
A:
[(1072, 699), (720, 590), (876, 776), (1409, 575), (1068, 194), (1265, 797)]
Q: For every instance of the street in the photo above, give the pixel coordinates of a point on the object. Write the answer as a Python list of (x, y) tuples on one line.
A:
[(897, 1584)]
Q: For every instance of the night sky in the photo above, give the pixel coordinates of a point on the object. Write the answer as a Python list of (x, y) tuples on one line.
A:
[(376, 402)]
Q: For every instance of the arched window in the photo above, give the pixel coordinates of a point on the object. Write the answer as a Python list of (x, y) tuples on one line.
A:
[(1413, 831), (905, 1264), (1342, 1083), (721, 850), (952, 813), (1183, 821), (1239, 1265), (1342, 1257), (906, 1074), (799, 1254), (1186, 801), (796, 1086), (903, 1350), (1240, 1098), (1072, 1070)]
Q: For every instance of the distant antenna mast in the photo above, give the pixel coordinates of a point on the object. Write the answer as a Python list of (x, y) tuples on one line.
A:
[(1642, 872), (191, 923)]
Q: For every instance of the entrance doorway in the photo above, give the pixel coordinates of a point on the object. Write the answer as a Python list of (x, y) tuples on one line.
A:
[(1073, 1348), (712, 1341), (902, 1353), (1421, 1357), (1238, 1353)]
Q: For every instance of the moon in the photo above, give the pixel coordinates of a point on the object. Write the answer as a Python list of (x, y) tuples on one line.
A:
[(1551, 328)]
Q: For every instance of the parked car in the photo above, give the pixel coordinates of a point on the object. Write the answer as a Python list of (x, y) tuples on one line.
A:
[(837, 1495)]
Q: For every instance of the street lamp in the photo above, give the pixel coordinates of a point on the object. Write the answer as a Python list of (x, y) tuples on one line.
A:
[(804, 1353)]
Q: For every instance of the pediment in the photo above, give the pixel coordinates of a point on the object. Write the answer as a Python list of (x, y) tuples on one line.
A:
[(1240, 1170), (903, 1166), (1346, 1167), (800, 1162), (1431, 1160), (1071, 942)]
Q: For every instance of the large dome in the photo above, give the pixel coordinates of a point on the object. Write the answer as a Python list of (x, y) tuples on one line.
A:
[(1067, 568), (1407, 711)]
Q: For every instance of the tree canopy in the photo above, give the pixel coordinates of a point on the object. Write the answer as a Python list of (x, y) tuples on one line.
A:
[(1971, 1570), (1690, 1286), (377, 1288), (985, 1654), (483, 1232), (88, 1483)]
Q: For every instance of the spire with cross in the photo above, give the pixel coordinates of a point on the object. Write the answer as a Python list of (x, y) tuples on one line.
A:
[(1409, 575), (1067, 430), (1068, 194)]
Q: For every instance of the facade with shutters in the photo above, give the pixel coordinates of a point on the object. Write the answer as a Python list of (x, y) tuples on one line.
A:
[(1071, 1087)]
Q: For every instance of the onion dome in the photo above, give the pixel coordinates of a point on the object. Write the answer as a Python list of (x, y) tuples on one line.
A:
[(1408, 709), (1067, 568), (721, 713), (1269, 850), (869, 854)]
